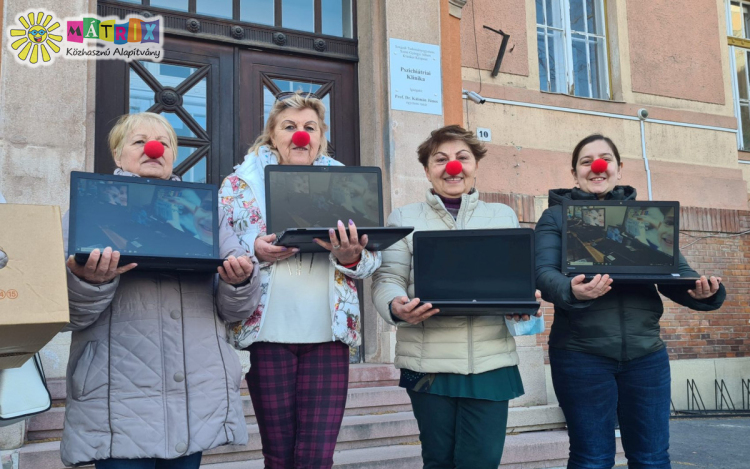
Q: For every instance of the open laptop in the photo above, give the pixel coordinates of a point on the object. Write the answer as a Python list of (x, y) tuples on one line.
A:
[(303, 202), (160, 225), (476, 272), (632, 241)]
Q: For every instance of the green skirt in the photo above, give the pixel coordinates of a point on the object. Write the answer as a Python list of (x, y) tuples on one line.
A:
[(502, 384)]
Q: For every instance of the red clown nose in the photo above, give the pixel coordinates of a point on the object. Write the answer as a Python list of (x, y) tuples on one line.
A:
[(453, 167), (153, 149), (300, 138), (599, 166)]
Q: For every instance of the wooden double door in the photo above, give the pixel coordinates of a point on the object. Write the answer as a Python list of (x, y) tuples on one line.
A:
[(217, 97)]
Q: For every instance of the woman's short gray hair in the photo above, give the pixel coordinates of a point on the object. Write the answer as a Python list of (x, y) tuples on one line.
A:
[(127, 122)]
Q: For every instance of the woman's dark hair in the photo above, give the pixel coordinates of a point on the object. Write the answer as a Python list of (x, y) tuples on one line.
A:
[(594, 138), (447, 134)]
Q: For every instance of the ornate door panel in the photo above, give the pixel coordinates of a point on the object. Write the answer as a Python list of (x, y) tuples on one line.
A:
[(192, 87), (263, 75)]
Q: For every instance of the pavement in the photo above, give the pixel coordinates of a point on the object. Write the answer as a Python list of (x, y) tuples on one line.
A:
[(715, 443)]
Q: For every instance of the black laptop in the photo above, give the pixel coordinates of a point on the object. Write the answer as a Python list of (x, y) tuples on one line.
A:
[(161, 225), (476, 272), (303, 202), (632, 241)]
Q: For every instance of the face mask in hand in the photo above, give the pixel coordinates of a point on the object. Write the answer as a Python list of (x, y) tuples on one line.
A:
[(535, 325)]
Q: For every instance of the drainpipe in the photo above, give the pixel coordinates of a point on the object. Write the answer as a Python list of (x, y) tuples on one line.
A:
[(642, 115)]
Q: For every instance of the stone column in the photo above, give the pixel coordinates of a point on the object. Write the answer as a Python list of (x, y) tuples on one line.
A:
[(11, 439), (46, 130), (390, 138)]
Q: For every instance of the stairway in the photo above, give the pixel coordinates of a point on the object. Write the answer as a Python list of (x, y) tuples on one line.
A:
[(378, 432)]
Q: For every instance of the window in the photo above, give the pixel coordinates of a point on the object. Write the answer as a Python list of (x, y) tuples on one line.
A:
[(572, 43), (739, 50), (329, 17)]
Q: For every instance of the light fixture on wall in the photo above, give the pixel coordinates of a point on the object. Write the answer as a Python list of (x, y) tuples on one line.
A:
[(476, 97)]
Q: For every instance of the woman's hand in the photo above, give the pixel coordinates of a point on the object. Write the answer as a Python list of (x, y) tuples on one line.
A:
[(705, 288), (592, 290), (100, 268), (267, 252), (526, 317), (350, 249), (410, 311), (236, 270)]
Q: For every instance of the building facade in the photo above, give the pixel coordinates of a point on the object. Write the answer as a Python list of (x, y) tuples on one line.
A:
[(668, 84)]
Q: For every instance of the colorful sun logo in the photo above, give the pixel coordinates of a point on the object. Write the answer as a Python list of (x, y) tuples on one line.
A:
[(36, 38)]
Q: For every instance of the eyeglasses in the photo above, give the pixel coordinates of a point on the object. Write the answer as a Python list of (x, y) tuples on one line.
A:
[(288, 94)]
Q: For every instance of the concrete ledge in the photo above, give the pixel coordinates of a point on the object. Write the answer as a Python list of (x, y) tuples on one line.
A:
[(532, 419)]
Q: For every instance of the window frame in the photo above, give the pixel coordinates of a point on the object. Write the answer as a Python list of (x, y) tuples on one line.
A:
[(236, 14), (568, 33), (743, 43)]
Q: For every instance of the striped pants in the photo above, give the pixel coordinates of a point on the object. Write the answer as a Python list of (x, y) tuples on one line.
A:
[(299, 394)]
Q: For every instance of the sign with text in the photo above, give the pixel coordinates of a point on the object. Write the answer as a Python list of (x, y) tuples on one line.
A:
[(416, 83)]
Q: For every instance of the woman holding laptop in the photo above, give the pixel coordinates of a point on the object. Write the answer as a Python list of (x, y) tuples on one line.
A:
[(608, 362), (152, 381), (459, 371), (308, 317)]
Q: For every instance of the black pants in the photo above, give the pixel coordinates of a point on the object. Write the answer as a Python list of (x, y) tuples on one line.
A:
[(458, 432)]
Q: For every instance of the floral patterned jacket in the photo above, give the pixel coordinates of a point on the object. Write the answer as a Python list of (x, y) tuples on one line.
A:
[(242, 199)]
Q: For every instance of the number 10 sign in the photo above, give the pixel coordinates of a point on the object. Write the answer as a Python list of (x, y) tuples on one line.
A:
[(484, 135)]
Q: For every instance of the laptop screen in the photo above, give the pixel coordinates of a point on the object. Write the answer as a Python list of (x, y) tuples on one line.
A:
[(143, 217), (475, 266), (621, 235), (317, 197)]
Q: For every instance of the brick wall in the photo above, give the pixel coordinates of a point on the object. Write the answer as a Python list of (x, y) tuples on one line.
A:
[(722, 333), (687, 333)]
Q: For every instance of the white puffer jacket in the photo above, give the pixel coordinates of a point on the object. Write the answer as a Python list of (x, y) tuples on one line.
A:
[(456, 344)]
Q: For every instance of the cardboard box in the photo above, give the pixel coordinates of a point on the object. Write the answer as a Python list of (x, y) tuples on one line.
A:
[(33, 282)]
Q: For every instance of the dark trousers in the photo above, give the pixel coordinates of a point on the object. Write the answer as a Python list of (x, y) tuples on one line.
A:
[(192, 461), (299, 395), (593, 391), (458, 432)]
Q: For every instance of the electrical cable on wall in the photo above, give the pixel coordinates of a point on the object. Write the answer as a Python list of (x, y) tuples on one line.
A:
[(700, 238)]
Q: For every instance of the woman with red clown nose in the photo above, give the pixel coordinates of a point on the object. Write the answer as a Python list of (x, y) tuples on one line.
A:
[(152, 381), (308, 316), (459, 372), (607, 360)]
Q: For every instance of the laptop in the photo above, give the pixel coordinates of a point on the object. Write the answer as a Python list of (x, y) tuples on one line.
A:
[(476, 272), (303, 202), (632, 241), (160, 225)]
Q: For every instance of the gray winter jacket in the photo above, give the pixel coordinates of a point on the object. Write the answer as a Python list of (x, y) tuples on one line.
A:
[(151, 374)]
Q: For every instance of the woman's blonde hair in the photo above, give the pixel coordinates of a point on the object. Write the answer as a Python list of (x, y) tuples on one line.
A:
[(127, 122), (299, 101)]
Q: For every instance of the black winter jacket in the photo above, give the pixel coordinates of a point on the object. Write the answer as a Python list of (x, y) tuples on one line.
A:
[(624, 323)]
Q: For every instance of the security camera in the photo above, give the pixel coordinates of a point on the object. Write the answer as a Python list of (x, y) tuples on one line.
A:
[(642, 114), (476, 97)]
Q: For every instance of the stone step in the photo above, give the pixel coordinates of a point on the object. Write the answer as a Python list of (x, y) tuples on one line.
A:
[(381, 457), (361, 375), (537, 450), (360, 401), (357, 431)]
